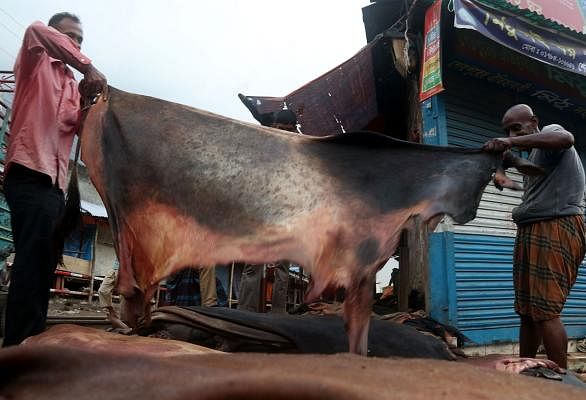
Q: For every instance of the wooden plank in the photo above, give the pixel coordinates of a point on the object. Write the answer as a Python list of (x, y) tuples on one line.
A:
[(74, 264)]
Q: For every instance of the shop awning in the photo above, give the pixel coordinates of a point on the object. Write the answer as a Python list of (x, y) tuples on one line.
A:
[(564, 16), (544, 45)]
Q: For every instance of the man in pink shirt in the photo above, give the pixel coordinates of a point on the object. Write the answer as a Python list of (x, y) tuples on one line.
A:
[(46, 111)]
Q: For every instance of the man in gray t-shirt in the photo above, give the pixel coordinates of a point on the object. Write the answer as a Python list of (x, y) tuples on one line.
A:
[(557, 193), (551, 241)]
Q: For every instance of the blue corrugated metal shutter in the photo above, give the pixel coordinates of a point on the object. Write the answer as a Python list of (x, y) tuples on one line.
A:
[(5, 227), (483, 248), (484, 287), (574, 315), (485, 294)]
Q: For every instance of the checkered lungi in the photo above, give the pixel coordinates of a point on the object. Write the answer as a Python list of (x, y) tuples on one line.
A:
[(547, 257)]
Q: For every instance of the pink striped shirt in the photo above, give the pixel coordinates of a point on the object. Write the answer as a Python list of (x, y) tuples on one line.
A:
[(46, 105)]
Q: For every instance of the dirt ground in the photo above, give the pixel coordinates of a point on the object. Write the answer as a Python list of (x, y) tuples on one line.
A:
[(70, 307)]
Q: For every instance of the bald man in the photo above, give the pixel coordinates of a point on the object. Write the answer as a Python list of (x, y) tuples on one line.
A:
[(550, 242)]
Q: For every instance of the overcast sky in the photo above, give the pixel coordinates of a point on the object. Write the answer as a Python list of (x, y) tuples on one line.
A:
[(202, 53)]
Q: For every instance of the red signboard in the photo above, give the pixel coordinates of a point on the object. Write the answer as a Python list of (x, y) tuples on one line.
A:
[(565, 12), (431, 72)]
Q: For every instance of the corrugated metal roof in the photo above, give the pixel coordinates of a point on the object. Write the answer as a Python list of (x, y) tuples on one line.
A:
[(94, 210)]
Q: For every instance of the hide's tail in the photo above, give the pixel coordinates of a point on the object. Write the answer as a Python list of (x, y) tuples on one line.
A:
[(71, 217)]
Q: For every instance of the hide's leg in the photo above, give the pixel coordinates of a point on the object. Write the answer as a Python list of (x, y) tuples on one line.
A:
[(148, 305), (358, 303), (133, 307), (137, 307)]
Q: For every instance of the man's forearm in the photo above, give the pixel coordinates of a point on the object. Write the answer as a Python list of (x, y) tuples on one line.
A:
[(553, 140)]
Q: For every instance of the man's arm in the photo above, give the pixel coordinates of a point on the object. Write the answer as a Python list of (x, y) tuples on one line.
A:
[(551, 137), (39, 37)]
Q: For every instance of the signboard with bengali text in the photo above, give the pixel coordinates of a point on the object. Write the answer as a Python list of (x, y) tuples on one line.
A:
[(529, 40), (431, 72)]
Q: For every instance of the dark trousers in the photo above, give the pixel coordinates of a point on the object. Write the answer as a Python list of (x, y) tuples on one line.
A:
[(35, 206), (250, 285)]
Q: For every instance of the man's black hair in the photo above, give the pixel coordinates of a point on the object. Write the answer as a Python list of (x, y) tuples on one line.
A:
[(286, 117), (57, 18)]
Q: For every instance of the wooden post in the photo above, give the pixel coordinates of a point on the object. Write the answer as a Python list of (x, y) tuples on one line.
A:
[(262, 303), (419, 259), (413, 264), (301, 286), (231, 285), (93, 263), (157, 295), (414, 118), (404, 268)]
